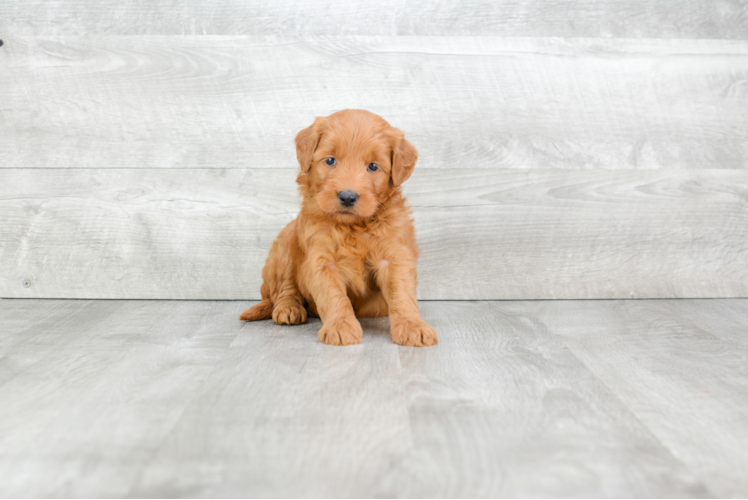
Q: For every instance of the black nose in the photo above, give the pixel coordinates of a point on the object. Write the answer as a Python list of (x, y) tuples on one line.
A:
[(348, 198)]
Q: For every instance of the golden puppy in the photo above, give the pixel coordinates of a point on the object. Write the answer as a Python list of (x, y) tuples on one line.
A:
[(352, 250)]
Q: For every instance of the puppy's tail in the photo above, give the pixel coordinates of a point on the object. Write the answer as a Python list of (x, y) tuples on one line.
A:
[(263, 310)]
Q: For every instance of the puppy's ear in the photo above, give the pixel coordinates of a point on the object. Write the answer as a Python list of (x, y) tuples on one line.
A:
[(306, 144), (404, 157)]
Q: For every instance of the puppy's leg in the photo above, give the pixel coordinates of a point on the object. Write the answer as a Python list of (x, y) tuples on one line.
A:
[(288, 309), (397, 279), (288, 304), (281, 299), (339, 323)]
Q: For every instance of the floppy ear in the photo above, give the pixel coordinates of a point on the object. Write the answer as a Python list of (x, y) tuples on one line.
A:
[(404, 156), (306, 145)]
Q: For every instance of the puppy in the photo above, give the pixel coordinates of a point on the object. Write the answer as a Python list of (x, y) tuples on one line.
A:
[(351, 252)]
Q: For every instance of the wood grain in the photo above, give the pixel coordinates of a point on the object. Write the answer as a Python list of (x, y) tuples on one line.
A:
[(181, 399), (577, 18), (90, 390), (297, 418), (725, 319), (693, 376), (504, 234), (465, 102), (502, 409)]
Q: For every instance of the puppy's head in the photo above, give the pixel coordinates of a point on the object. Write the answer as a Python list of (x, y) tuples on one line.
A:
[(351, 161)]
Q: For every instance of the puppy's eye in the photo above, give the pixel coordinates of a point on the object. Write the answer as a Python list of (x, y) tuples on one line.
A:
[(372, 167), (331, 161)]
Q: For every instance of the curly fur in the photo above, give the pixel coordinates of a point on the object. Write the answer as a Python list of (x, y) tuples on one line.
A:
[(339, 262)]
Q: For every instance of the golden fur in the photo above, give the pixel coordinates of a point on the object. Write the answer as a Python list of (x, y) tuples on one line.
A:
[(338, 262)]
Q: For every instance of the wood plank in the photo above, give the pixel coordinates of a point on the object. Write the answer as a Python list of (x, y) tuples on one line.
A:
[(161, 233), (91, 389), (468, 438), (686, 383), (465, 102), (501, 409), (180, 399), (591, 18), (103, 392), (725, 319), (287, 416)]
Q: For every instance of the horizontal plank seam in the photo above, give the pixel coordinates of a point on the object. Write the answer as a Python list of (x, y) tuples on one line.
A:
[(419, 300), (527, 169), (317, 38)]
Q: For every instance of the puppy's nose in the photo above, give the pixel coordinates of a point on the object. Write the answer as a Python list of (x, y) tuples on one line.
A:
[(348, 198)]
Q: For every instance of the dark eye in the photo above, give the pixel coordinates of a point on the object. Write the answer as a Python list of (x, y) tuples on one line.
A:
[(331, 161), (372, 167)]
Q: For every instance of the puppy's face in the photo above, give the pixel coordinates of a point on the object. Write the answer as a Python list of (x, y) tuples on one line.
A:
[(350, 161)]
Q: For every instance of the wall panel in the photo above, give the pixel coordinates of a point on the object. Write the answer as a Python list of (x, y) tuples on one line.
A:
[(592, 18), (466, 102), (507, 234)]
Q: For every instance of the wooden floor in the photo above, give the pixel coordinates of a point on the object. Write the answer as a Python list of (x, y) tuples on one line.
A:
[(537, 398)]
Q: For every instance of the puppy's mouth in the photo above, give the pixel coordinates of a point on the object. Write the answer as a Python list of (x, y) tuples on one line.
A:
[(347, 213), (346, 216)]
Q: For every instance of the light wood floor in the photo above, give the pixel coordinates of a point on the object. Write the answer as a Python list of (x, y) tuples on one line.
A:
[(536, 398)]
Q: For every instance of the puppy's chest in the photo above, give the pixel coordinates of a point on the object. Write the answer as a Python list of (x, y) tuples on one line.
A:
[(354, 259), (349, 250), (352, 248)]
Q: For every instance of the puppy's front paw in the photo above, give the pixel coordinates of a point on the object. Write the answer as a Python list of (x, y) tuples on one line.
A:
[(346, 331), (289, 313), (413, 332)]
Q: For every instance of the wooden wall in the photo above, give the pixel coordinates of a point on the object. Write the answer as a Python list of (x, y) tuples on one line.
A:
[(568, 149)]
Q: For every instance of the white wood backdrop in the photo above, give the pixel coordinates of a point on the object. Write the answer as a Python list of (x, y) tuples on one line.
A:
[(546, 18), (579, 149)]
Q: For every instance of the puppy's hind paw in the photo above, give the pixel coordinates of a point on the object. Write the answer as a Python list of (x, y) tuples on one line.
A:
[(289, 313), (345, 331), (413, 332)]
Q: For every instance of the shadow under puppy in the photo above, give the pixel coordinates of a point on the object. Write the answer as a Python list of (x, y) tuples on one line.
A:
[(352, 249)]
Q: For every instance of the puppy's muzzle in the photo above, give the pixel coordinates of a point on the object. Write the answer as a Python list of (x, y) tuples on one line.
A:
[(348, 198)]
